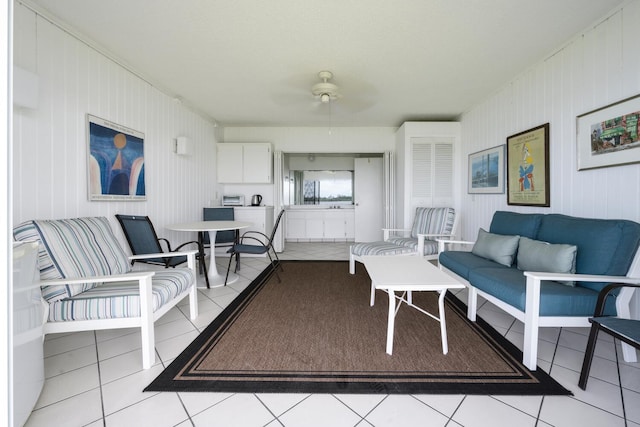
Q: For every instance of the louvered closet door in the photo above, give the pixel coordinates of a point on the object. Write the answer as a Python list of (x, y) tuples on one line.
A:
[(432, 171)]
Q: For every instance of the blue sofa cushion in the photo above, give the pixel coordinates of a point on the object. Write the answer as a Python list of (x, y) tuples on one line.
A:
[(461, 263), (512, 223), (604, 246), (496, 247), (509, 285), (535, 255)]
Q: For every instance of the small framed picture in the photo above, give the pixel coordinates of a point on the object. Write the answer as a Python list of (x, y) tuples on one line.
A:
[(486, 171), (528, 167), (609, 136)]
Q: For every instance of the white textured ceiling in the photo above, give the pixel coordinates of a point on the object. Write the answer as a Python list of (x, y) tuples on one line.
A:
[(253, 62)]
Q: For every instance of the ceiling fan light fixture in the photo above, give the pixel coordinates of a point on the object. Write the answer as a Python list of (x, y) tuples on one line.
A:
[(325, 90)]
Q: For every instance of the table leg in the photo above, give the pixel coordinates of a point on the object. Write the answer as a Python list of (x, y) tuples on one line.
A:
[(216, 279), (203, 263), (443, 324), (391, 320)]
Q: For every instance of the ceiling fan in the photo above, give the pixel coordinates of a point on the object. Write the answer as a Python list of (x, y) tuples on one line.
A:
[(351, 96), (325, 91)]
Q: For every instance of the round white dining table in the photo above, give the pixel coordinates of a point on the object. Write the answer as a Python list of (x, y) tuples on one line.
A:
[(214, 277)]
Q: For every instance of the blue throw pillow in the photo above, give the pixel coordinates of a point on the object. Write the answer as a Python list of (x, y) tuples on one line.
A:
[(496, 247), (534, 255)]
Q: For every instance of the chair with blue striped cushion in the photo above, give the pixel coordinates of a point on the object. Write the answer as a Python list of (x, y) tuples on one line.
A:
[(429, 224), (87, 282)]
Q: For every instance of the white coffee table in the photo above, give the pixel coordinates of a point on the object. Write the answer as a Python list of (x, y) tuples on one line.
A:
[(407, 274)]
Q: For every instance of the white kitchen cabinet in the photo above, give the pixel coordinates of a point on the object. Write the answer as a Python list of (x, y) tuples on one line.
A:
[(320, 225), (245, 163)]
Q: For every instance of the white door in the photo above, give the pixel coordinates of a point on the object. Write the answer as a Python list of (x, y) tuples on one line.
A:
[(369, 199)]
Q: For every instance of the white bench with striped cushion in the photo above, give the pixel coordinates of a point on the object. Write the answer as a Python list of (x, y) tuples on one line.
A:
[(87, 282)]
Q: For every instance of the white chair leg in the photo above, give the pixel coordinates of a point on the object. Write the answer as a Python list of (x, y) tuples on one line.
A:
[(193, 302), (373, 294), (146, 327), (352, 263)]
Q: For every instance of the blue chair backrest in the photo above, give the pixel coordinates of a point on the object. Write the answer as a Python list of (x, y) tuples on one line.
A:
[(219, 214)]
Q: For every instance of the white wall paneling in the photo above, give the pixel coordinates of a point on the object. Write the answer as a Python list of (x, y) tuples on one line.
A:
[(50, 143), (594, 69)]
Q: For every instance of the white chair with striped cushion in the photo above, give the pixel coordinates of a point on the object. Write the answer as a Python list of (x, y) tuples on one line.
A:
[(429, 224), (87, 282)]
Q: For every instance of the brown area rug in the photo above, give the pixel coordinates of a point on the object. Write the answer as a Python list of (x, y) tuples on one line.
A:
[(315, 332)]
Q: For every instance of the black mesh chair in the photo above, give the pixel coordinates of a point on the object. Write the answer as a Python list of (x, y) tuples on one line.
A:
[(264, 246), (142, 239), (626, 330)]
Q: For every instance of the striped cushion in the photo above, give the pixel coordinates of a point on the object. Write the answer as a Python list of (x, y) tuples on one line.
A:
[(430, 246), (111, 300), (433, 221), (379, 248), (79, 247)]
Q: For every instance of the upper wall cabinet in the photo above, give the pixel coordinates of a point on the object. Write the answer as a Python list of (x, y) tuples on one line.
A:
[(245, 163)]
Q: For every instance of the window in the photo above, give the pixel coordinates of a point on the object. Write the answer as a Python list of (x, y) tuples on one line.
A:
[(323, 187)]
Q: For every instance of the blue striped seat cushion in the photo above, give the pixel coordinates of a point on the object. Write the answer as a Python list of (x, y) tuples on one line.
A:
[(379, 248), (78, 247), (433, 221), (111, 300), (430, 246)]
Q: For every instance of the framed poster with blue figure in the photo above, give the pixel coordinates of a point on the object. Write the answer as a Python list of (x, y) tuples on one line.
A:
[(528, 167)]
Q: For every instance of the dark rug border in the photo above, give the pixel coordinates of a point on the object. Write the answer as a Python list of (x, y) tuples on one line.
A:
[(164, 382)]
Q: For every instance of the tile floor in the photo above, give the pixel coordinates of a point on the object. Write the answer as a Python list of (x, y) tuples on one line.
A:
[(95, 379)]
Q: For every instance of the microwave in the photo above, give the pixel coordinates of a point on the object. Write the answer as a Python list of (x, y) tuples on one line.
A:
[(232, 200)]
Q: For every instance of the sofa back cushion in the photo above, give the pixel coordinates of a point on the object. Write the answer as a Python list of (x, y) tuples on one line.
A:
[(433, 221), (605, 246), (79, 247), (512, 223)]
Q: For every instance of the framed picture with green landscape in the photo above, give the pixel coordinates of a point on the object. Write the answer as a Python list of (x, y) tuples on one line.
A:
[(609, 136), (486, 171)]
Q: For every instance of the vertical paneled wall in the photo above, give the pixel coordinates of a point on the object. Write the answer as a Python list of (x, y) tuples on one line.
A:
[(596, 68), (50, 141)]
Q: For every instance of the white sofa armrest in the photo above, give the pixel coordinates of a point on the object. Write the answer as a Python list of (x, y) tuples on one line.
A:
[(442, 243), (541, 276), (127, 277), (192, 252)]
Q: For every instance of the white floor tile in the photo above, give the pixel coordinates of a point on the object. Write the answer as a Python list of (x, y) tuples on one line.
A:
[(278, 403), (198, 402), (70, 360), (485, 411), (320, 410), (126, 391), (171, 348), (121, 366), (567, 412), (159, 410), (61, 343), (405, 411), (527, 404), (446, 404), (362, 404), (69, 384), (78, 410), (239, 410)]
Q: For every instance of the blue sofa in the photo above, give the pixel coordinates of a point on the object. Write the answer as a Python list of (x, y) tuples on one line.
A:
[(597, 252)]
